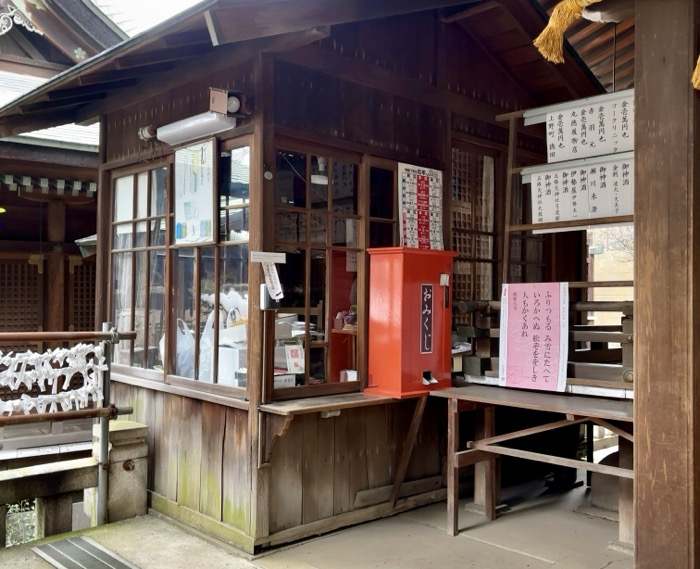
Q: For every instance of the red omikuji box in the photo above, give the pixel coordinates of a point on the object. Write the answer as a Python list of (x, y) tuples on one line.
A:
[(410, 321)]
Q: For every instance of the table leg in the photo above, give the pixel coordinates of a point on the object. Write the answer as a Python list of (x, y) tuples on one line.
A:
[(452, 468), (486, 474), (626, 494)]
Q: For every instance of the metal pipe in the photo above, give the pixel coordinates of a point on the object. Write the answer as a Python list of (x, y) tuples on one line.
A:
[(110, 412), (103, 467), (112, 336)]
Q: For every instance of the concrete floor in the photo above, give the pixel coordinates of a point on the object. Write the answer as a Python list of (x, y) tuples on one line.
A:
[(540, 531)]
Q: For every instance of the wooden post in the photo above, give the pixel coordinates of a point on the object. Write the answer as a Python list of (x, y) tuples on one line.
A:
[(667, 276), (55, 274), (262, 239)]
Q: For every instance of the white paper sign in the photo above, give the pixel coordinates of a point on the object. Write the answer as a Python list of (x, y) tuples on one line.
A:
[(194, 194), (586, 191), (272, 280), (594, 129)]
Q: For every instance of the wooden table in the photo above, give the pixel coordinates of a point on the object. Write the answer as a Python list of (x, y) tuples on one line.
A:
[(487, 448)]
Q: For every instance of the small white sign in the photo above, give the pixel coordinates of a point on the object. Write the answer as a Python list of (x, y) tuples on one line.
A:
[(265, 257)]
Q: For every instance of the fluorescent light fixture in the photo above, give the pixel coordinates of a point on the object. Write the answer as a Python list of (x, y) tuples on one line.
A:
[(193, 128)]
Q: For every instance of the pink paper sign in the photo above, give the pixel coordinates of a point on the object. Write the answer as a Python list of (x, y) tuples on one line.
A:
[(534, 336)]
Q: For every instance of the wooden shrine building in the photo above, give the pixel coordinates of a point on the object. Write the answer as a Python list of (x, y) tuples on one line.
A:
[(278, 127)]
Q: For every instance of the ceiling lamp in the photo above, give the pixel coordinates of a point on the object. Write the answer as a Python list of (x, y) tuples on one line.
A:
[(217, 119)]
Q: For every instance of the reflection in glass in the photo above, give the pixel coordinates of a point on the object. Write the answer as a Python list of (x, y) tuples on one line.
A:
[(122, 237), (123, 199), (183, 328), (344, 182), (290, 227), (121, 303), (234, 176), (319, 182), (142, 195), (158, 187), (140, 291), (206, 327), (290, 179), (141, 233), (233, 313), (318, 229), (156, 307), (381, 193), (235, 224)]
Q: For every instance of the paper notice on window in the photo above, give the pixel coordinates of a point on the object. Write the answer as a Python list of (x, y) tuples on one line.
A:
[(534, 336), (295, 358), (272, 280)]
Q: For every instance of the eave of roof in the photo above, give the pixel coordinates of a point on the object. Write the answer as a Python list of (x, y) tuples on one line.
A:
[(78, 101)]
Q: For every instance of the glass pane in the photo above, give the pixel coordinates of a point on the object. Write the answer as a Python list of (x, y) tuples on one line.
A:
[(121, 303), (344, 232), (122, 238), (344, 187), (290, 324), (290, 227), (342, 313), (319, 182), (381, 234), (318, 229), (156, 308), (381, 193), (234, 176), (140, 292), (141, 233), (235, 224), (292, 277), (182, 329), (124, 198), (142, 195), (233, 333), (317, 365), (158, 187), (317, 296), (290, 179), (206, 328), (158, 232)]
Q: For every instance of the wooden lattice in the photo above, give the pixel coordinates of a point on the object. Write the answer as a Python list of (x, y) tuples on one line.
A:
[(21, 299), (82, 317)]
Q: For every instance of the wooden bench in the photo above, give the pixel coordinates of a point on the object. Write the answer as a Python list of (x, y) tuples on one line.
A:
[(615, 415)]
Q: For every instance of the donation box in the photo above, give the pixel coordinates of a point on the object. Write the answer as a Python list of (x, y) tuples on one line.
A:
[(410, 321)]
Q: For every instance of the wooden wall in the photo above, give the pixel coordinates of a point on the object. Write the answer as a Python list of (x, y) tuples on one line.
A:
[(321, 467), (198, 456), (122, 142), (199, 464)]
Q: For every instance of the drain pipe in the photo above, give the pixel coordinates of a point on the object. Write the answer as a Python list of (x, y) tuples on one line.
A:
[(103, 467)]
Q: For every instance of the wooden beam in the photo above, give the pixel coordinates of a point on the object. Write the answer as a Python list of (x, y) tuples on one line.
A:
[(17, 64), (64, 103), (73, 92), (160, 55), (667, 278), (549, 459), (132, 72)]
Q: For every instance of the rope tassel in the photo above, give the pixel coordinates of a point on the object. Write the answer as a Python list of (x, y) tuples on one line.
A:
[(695, 79), (550, 42)]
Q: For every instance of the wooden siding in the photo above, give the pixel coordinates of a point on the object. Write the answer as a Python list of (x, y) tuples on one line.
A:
[(197, 453), (122, 142), (321, 465)]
